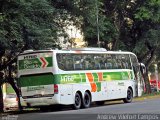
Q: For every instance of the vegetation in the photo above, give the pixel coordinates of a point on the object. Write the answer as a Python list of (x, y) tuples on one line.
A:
[(131, 25)]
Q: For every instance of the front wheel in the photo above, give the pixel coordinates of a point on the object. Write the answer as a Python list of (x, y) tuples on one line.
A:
[(129, 96), (86, 100), (77, 102)]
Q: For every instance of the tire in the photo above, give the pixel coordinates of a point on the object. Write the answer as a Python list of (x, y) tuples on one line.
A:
[(129, 96), (100, 103), (77, 101), (86, 100)]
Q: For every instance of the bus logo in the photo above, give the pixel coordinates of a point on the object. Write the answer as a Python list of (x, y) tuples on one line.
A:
[(67, 79), (30, 57)]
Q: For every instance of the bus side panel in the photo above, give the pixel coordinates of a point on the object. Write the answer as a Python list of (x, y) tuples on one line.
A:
[(66, 94), (81, 88), (68, 91)]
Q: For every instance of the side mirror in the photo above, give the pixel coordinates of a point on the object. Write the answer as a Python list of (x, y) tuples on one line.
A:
[(143, 68)]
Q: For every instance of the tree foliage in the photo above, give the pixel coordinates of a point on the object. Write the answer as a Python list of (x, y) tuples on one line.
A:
[(26, 24), (128, 25)]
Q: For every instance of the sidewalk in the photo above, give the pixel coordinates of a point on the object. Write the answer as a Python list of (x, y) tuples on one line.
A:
[(147, 96)]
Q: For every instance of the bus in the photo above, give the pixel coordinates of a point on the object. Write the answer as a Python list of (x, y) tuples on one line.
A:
[(78, 77)]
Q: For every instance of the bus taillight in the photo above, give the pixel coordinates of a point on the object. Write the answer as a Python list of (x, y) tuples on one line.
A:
[(55, 88)]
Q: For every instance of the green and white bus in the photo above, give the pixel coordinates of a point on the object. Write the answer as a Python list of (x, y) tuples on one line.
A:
[(78, 77)]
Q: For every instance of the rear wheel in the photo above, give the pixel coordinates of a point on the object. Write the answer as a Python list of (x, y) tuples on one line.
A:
[(86, 100), (77, 101), (129, 96)]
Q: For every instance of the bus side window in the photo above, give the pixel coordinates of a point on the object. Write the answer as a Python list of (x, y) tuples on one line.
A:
[(77, 66), (102, 64), (120, 66), (102, 61), (88, 64), (114, 61), (115, 65), (97, 59), (60, 60), (128, 63), (97, 66), (68, 62), (77, 60), (124, 65), (69, 65), (91, 65), (108, 65)]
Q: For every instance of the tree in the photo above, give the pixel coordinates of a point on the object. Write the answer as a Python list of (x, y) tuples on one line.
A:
[(142, 36), (84, 15), (25, 24), (127, 25), (145, 31)]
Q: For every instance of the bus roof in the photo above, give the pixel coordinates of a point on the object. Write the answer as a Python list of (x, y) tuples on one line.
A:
[(76, 50), (87, 49)]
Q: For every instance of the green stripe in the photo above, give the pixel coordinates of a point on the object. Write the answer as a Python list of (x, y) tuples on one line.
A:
[(83, 77), (36, 80), (95, 75), (117, 76), (98, 86), (46, 79)]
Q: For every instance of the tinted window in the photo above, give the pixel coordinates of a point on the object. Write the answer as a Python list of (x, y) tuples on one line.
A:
[(67, 61)]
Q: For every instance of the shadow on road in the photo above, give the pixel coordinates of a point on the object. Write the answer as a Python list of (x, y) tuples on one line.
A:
[(57, 108)]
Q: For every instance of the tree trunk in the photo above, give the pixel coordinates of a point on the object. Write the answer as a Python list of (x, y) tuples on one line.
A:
[(14, 86), (1, 98), (148, 63), (114, 44), (147, 83), (1, 92)]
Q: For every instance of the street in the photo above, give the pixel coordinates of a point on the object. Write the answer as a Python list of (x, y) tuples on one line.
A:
[(107, 111)]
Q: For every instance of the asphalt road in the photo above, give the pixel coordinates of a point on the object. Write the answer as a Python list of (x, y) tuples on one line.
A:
[(143, 110)]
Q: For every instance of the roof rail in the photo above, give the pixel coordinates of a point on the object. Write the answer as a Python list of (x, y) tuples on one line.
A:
[(88, 49), (49, 49), (26, 51)]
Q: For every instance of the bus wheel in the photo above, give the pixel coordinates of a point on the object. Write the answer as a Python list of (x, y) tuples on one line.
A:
[(100, 102), (129, 96), (86, 100), (77, 101)]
